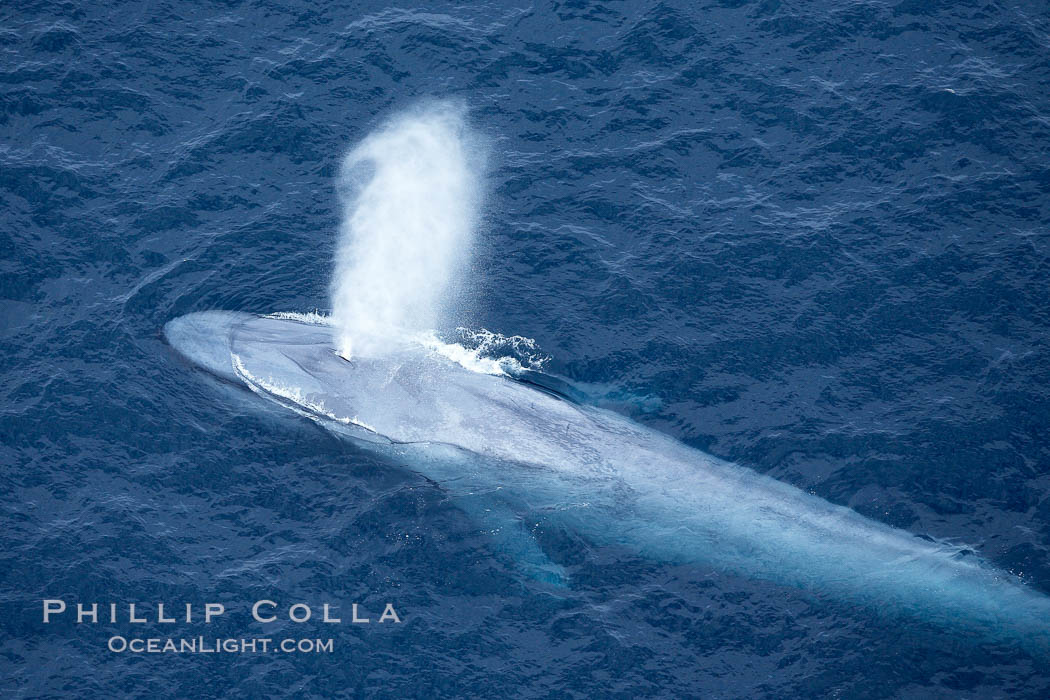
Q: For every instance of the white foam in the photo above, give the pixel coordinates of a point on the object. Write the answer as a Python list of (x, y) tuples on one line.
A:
[(314, 318), (471, 359), (479, 351), (524, 352)]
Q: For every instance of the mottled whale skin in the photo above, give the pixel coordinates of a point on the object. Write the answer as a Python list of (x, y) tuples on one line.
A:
[(511, 454)]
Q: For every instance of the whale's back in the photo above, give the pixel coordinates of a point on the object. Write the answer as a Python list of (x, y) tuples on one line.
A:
[(614, 481)]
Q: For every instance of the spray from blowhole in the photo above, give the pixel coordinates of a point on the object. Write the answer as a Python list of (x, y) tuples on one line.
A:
[(411, 193)]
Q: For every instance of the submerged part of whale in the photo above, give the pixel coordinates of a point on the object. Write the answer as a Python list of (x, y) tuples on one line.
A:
[(504, 450)]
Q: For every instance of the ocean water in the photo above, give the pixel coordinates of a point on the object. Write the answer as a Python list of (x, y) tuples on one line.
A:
[(810, 238)]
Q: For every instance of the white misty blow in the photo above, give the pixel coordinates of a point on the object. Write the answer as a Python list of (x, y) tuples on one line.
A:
[(411, 196)]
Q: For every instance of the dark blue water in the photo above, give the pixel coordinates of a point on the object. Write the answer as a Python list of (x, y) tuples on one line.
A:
[(811, 238)]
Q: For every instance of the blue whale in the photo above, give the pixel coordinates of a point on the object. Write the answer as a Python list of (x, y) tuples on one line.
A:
[(509, 453)]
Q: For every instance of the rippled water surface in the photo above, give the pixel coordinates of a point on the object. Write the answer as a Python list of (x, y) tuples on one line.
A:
[(810, 238)]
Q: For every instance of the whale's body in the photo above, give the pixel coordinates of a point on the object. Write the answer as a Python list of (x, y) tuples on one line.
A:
[(504, 450)]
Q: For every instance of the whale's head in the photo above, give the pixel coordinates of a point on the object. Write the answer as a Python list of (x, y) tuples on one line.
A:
[(204, 338)]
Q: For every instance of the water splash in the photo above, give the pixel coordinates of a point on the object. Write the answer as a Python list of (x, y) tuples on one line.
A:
[(487, 352), (411, 195)]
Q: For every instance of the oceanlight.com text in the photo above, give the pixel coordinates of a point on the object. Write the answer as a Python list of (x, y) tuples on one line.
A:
[(204, 645)]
